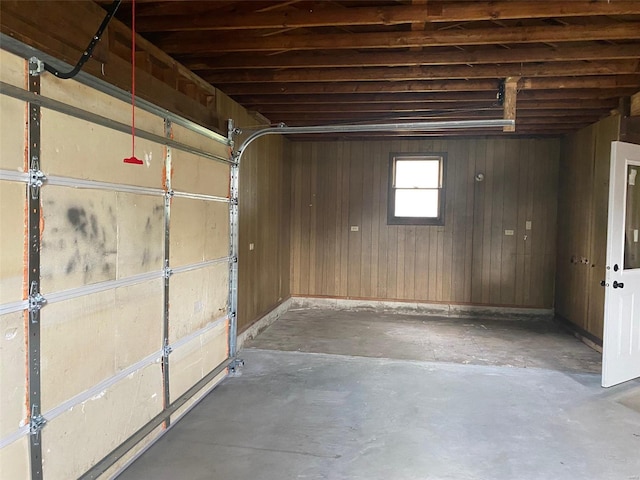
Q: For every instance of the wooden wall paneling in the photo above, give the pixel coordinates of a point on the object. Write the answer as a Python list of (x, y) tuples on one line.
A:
[(313, 220), (479, 159), (15, 460), (132, 402), (466, 260), (190, 362), (296, 216), (551, 217), (13, 383), (606, 131), (509, 222), (88, 339), (326, 228), (13, 198), (366, 223), (79, 149), (576, 184), (355, 192)]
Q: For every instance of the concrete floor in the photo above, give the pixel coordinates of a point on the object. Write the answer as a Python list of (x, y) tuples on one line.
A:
[(380, 403)]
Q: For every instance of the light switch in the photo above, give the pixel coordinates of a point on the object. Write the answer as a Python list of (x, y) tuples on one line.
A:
[(528, 225), (635, 236), (355, 228), (509, 232), (251, 246)]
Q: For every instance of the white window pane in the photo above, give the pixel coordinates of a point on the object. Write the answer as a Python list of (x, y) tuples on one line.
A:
[(417, 203), (417, 173)]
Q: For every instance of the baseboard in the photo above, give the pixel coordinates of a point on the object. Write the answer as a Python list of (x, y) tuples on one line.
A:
[(580, 333), (420, 308), (263, 322)]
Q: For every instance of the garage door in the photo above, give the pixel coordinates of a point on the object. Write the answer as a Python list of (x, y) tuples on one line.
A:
[(114, 284)]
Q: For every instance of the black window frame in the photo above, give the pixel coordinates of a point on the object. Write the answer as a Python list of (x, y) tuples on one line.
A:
[(392, 219)]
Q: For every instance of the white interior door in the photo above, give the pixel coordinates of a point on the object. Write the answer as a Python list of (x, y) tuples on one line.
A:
[(621, 347)]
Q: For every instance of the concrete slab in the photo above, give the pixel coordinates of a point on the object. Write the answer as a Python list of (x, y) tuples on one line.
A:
[(317, 416), (519, 342)]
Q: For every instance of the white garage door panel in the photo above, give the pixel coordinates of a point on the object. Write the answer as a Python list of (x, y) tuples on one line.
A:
[(196, 298), (81, 436), (199, 231), (91, 100), (12, 135), (12, 241), (189, 363), (79, 149), (199, 175), (89, 339), (13, 384), (14, 460), (14, 70), (201, 142), (79, 238)]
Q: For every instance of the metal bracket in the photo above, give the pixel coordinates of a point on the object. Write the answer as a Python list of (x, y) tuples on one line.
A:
[(234, 201), (167, 272), (166, 350), (36, 66), (36, 180), (36, 301), (168, 196), (235, 367), (36, 424)]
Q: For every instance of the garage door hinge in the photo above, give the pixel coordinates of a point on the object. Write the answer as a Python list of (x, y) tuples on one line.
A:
[(36, 66), (167, 272), (36, 301), (166, 350), (36, 423), (36, 178), (168, 196)]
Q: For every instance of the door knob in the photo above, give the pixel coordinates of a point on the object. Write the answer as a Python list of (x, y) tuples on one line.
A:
[(618, 285)]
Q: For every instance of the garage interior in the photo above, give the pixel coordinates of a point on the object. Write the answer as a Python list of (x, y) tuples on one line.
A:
[(177, 302)]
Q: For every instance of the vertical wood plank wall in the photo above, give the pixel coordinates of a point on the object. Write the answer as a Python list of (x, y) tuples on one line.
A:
[(336, 185), (264, 220), (582, 219)]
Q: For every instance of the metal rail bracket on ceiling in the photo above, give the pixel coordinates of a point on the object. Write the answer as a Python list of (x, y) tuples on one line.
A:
[(283, 129)]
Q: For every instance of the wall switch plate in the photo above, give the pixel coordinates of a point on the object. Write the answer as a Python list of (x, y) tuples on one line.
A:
[(251, 246), (509, 232), (528, 225), (635, 236), (355, 228)]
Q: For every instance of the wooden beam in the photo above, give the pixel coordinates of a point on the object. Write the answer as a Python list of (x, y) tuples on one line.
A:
[(613, 67), (257, 100), (433, 56), (434, 11), (203, 42), (510, 98), (392, 107), (552, 83)]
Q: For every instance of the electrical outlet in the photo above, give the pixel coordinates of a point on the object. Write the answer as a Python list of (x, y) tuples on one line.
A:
[(509, 232), (355, 228), (528, 225)]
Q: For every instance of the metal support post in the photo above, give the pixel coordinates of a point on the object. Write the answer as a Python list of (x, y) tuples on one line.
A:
[(233, 254), (166, 350), (36, 300)]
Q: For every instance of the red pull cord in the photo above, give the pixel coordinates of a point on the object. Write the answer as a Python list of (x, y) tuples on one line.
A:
[(133, 159)]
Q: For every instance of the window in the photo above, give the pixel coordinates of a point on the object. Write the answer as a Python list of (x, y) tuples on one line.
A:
[(416, 189)]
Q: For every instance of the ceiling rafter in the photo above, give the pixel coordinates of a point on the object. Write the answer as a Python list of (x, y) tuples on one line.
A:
[(435, 11)]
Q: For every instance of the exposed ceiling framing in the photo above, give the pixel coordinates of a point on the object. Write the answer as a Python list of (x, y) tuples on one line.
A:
[(336, 61)]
